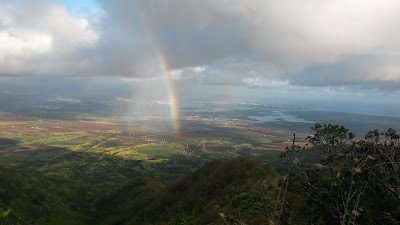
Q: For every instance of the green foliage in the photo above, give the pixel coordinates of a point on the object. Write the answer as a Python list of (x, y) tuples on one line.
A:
[(356, 181), (121, 180), (4, 215), (235, 188)]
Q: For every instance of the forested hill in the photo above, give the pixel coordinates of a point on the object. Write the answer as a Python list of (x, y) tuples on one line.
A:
[(356, 181), (225, 189)]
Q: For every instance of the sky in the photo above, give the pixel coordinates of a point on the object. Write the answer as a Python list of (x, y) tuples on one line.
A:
[(323, 51), (80, 8)]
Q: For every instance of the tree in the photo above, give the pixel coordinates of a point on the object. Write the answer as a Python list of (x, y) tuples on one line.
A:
[(356, 181), (292, 161)]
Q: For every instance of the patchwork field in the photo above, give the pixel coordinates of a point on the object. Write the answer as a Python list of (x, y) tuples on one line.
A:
[(82, 161), (24, 136)]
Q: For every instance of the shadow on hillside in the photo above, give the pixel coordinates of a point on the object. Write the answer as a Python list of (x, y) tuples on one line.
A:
[(7, 142), (56, 184)]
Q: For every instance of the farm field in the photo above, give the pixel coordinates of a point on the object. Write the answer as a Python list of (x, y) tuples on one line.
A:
[(64, 168), (23, 136), (84, 161)]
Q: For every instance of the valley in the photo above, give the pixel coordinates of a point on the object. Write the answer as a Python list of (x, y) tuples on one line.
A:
[(66, 167)]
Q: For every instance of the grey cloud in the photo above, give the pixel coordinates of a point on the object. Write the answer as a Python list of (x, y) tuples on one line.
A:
[(377, 70), (313, 43), (318, 42), (142, 31), (242, 72)]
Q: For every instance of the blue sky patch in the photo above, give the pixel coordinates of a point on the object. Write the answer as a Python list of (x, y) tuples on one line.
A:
[(81, 8)]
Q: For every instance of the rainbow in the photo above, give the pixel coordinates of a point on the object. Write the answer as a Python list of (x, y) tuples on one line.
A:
[(170, 89), (164, 69)]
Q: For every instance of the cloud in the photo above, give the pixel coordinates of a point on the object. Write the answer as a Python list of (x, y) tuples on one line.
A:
[(39, 37), (263, 82), (292, 33), (318, 42), (315, 42), (377, 70)]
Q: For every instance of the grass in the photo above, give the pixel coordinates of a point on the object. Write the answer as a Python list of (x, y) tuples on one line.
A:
[(154, 149), (128, 153)]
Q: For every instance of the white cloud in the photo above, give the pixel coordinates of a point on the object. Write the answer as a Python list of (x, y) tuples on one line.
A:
[(314, 42), (264, 82), (42, 38), (17, 46)]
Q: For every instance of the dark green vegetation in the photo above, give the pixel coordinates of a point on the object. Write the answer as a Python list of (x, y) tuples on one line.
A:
[(97, 170), (355, 182), (66, 172), (232, 190)]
